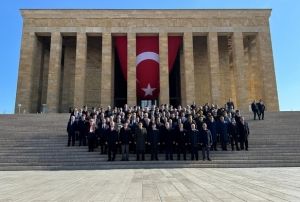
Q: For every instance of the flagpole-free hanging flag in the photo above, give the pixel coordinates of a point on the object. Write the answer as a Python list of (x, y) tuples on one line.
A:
[(147, 62)]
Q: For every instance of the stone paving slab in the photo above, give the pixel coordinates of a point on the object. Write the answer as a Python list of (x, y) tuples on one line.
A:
[(185, 184)]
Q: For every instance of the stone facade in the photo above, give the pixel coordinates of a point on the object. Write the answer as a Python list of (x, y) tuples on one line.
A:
[(67, 56)]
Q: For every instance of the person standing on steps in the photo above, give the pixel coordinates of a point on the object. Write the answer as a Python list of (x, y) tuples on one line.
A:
[(244, 132), (254, 109), (212, 126), (154, 142), (194, 135), (71, 131), (234, 135), (222, 130), (181, 141), (140, 141), (112, 141), (125, 136), (206, 141), (261, 108), (92, 135)]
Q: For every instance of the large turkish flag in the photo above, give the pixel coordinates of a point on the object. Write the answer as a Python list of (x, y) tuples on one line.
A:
[(147, 67), (147, 62)]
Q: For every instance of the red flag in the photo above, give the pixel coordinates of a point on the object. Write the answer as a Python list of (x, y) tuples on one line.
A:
[(147, 62), (147, 67), (121, 46), (174, 43)]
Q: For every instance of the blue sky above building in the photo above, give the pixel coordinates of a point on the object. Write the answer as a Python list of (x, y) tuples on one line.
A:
[(284, 24)]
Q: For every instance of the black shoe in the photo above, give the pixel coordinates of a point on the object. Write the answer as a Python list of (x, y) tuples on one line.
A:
[(246, 149), (209, 159), (109, 160), (203, 159)]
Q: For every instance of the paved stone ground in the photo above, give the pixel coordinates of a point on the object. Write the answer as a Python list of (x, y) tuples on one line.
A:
[(185, 184)]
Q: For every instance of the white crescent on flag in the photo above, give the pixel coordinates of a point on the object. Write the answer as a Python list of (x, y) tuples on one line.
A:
[(147, 56)]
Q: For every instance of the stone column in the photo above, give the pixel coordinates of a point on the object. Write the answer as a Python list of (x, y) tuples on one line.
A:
[(214, 65), (188, 96), (164, 95), (53, 89), (80, 68), (131, 69), (266, 64), (27, 57), (240, 70), (106, 96)]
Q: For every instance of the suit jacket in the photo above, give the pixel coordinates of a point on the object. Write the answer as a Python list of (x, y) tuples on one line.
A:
[(243, 130), (140, 138), (125, 135), (154, 137), (194, 137), (112, 137), (206, 137)]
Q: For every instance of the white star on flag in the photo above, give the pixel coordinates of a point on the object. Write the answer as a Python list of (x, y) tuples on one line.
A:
[(148, 90)]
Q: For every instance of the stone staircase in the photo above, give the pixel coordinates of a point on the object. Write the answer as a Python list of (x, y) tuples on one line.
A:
[(38, 142)]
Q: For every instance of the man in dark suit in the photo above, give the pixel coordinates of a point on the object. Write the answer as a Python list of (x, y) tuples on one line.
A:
[(261, 108), (254, 109), (234, 135), (243, 133), (194, 135), (102, 133), (182, 141), (206, 141), (71, 131), (125, 138), (92, 135), (222, 130), (83, 128), (140, 140), (154, 141), (212, 126), (169, 139), (112, 141)]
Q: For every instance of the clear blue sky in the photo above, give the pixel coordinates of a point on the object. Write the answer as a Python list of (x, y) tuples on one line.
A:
[(285, 28)]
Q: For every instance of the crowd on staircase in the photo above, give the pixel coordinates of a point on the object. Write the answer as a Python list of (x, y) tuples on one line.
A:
[(173, 131)]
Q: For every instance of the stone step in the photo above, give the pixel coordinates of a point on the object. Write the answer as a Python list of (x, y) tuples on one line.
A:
[(42, 146), (104, 158)]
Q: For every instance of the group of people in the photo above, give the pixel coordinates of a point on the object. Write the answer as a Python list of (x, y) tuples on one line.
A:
[(258, 109), (164, 129)]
